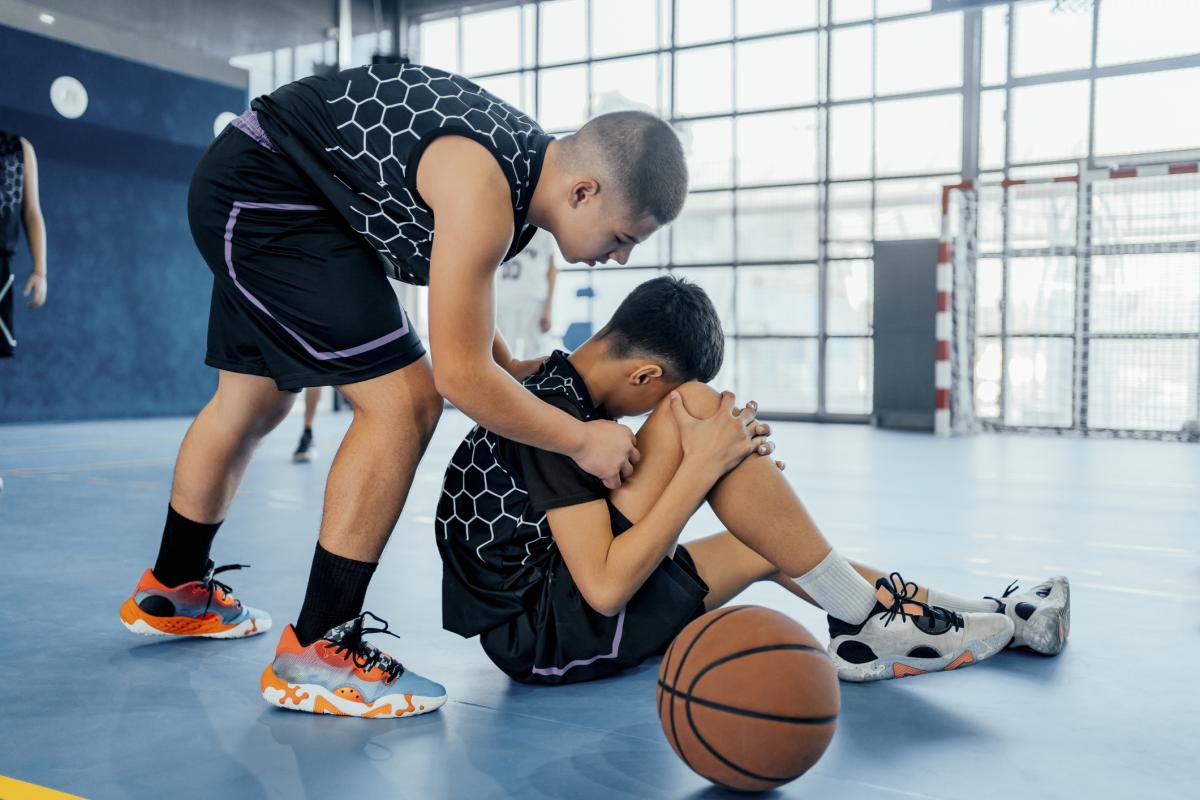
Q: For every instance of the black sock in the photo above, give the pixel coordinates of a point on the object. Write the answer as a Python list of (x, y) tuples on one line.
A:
[(336, 588), (183, 553)]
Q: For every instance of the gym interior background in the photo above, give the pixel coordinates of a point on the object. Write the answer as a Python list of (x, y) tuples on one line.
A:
[(956, 249)]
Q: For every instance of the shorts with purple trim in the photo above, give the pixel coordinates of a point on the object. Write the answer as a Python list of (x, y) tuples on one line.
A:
[(298, 296), (563, 640)]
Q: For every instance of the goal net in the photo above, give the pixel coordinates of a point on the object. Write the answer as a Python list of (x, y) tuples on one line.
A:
[(1072, 304)]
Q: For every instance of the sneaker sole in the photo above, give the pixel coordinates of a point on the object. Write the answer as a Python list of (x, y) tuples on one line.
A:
[(136, 621), (1046, 631), (882, 669), (318, 700)]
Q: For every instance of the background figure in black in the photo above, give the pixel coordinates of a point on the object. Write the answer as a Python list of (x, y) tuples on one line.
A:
[(19, 205)]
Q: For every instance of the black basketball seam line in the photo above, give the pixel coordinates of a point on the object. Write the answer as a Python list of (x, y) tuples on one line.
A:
[(687, 707), (746, 712), (679, 669)]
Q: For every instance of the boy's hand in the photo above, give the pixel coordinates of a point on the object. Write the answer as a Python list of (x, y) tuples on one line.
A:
[(522, 368), (608, 452), (723, 440)]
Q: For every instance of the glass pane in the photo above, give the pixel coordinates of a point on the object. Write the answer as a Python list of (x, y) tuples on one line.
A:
[(506, 87), (702, 20), (655, 251), (703, 80), (1134, 30), (1049, 122), (777, 300), (995, 44), (909, 209), (529, 29), (613, 286), (989, 217), (1145, 113), (1048, 41), (989, 291), (850, 141), (849, 293), (777, 223), (439, 43), (849, 375), (1142, 384), (717, 283), (1039, 383), (563, 31), (1041, 294), (918, 54), (491, 41), (991, 129), (623, 26), (310, 56), (562, 98), (776, 148), (893, 8), (850, 65), (849, 213), (988, 357), (767, 16), (709, 147), (627, 84), (703, 234), (569, 307), (921, 135), (762, 64), (780, 374), (1146, 293), (1151, 210), (850, 10)]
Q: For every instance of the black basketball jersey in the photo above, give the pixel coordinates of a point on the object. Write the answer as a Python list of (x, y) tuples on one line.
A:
[(359, 136), (491, 525), (12, 191)]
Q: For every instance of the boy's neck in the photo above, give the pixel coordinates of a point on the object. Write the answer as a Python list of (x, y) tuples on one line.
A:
[(598, 371), (541, 202)]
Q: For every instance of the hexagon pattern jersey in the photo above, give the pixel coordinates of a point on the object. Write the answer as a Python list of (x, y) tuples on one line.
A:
[(358, 135), (12, 191), (491, 527)]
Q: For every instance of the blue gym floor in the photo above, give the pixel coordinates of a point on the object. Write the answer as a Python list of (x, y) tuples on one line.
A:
[(93, 710)]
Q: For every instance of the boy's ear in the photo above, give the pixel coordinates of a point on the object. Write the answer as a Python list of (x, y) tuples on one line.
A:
[(582, 189), (645, 373)]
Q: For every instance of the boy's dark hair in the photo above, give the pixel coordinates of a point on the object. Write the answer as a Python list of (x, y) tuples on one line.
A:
[(642, 155), (672, 321)]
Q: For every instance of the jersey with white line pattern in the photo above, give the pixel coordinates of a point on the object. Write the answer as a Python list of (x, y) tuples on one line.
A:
[(491, 526), (12, 191), (359, 135)]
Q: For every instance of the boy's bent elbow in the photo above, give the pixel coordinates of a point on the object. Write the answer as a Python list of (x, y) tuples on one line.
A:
[(604, 602)]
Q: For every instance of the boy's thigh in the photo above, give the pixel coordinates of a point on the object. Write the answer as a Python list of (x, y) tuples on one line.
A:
[(661, 452)]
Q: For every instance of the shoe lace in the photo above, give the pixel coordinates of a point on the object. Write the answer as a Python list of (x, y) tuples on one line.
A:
[(906, 596), (211, 584), (365, 655), (1012, 587)]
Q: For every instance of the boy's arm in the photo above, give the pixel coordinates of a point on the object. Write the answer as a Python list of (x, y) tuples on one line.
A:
[(35, 229), (609, 569), (547, 318), (469, 196)]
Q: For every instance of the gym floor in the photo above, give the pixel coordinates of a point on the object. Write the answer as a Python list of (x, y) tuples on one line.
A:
[(93, 710)]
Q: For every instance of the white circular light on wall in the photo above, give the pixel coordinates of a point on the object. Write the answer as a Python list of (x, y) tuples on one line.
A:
[(223, 119), (68, 97)]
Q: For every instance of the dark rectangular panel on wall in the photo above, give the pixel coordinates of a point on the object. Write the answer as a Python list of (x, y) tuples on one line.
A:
[(905, 350), (123, 331)]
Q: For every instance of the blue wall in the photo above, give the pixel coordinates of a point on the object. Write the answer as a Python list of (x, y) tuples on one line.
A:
[(123, 331)]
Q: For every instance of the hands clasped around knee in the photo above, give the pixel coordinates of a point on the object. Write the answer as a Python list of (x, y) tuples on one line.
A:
[(724, 439)]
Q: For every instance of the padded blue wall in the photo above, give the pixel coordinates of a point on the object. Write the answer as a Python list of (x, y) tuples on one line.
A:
[(123, 331)]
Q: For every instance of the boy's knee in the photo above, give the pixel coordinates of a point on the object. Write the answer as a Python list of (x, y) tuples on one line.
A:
[(699, 399)]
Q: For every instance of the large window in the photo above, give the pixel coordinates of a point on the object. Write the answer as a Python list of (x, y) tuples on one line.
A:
[(814, 128)]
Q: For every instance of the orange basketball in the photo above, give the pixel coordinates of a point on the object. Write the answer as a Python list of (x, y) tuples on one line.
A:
[(748, 698)]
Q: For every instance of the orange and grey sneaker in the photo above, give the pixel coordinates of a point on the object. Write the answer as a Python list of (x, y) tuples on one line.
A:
[(197, 608), (344, 675)]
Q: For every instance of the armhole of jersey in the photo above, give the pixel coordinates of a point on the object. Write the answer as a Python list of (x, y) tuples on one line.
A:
[(414, 163)]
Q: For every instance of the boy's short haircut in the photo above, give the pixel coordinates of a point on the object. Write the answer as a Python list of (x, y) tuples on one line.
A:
[(643, 156), (672, 321)]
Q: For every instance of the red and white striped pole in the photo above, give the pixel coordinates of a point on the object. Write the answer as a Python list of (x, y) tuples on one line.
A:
[(943, 322)]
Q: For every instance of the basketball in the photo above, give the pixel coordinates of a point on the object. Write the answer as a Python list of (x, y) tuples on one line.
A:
[(748, 698)]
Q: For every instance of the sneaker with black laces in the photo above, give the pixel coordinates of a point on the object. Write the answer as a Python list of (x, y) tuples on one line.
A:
[(904, 637), (205, 608), (342, 674), (1041, 616), (305, 451)]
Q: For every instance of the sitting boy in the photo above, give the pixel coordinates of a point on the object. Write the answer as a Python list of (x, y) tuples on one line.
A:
[(565, 581)]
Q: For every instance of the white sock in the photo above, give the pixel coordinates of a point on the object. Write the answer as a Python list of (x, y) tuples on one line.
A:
[(961, 604), (839, 589)]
